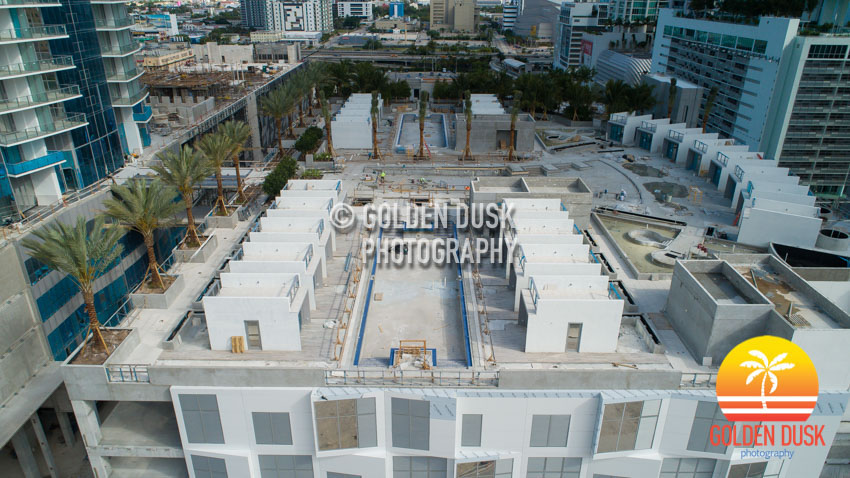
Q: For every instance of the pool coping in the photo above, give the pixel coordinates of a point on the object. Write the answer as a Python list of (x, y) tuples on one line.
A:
[(615, 246)]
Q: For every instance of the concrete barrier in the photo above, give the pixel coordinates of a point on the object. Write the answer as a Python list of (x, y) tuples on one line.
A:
[(159, 301), (199, 255)]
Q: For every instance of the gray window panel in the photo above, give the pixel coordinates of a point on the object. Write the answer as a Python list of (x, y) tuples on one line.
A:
[(549, 430), (687, 468), (209, 467), (470, 430), (201, 418), (331, 474), (770, 469), (553, 467), (348, 423), (419, 467), (628, 426), (272, 428), (286, 466), (707, 415), (411, 423)]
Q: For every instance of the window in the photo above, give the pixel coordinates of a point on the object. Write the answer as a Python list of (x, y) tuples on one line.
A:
[(272, 428), (549, 430), (763, 469), (628, 426), (553, 468), (470, 434), (687, 468), (346, 424), (332, 474), (286, 466), (419, 467), (252, 333), (411, 423), (207, 467), (707, 415), (573, 337), (201, 418), (486, 469)]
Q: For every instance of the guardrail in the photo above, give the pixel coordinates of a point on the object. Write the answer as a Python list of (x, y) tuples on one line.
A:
[(700, 146), (699, 380), (293, 288), (535, 294), (413, 378), (124, 373)]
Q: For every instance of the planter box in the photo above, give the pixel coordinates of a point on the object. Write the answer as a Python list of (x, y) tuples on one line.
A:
[(224, 222), (199, 255), (159, 301)]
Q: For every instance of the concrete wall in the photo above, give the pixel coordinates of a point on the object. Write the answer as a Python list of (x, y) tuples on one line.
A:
[(759, 227), (573, 192), (489, 130)]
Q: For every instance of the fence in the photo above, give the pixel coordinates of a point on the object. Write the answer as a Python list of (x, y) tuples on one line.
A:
[(127, 373), (413, 378)]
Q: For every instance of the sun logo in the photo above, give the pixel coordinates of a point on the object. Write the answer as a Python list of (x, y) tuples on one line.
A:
[(781, 385)]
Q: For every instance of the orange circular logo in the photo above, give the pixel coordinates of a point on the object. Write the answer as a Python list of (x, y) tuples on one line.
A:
[(767, 379)]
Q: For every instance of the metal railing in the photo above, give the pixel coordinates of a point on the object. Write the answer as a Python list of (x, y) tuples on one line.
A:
[(648, 126), (700, 146), (12, 137), (613, 290), (535, 294), (293, 288), (618, 118), (321, 227), (676, 135), (113, 22), (124, 76), (308, 256), (127, 373), (32, 33), (722, 159), (22, 3), (739, 173), (124, 49), (129, 100), (36, 99), (413, 378), (49, 64), (698, 380), (52, 157)]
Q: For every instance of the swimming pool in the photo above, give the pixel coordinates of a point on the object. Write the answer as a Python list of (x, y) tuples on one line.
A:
[(407, 136)]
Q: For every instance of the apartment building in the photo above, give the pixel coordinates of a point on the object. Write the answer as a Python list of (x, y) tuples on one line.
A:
[(294, 16), (780, 91), (636, 10), (574, 20), (454, 15), (355, 9)]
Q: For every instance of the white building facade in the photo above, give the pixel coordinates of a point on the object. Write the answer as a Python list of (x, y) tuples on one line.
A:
[(355, 9)]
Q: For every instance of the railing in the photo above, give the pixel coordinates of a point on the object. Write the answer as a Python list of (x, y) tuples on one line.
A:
[(535, 294), (700, 146), (121, 49), (321, 227), (676, 135), (113, 22), (211, 290), (739, 173), (576, 229), (618, 118), (308, 256), (32, 33), (293, 288), (648, 126), (698, 380), (722, 159), (145, 115), (39, 98), (413, 378), (593, 256), (21, 3), (131, 100), (124, 76), (52, 157), (9, 138), (127, 373), (49, 64), (613, 290), (522, 261)]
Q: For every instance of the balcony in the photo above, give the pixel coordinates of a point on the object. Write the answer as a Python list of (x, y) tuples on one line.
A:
[(13, 138), (739, 173), (20, 35), (112, 24), (52, 158), (39, 99), (647, 126), (29, 3), (28, 68), (124, 77), (676, 136), (722, 159), (700, 146), (120, 50), (144, 116), (619, 118), (131, 100)]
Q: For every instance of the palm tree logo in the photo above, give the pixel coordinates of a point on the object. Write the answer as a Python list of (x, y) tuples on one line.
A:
[(766, 370)]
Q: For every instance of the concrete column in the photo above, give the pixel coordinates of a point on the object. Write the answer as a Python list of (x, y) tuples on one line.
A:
[(66, 427), (42, 442), (251, 114), (24, 452), (85, 411)]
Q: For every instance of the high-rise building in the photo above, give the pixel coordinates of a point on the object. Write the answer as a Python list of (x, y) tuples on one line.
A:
[(778, 91), (636, 10), (396, 9), (290, 15), (454, 15), (256, 14), (575, 19), (355, 9), (510, 13)]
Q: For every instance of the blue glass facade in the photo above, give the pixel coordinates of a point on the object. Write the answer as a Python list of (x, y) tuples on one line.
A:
[(98, 146)]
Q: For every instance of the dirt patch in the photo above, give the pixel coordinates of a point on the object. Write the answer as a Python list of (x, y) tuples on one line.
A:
[(188, 247), (644, 170), (228, 209), (93, 354), (151, 287), (663, 188)]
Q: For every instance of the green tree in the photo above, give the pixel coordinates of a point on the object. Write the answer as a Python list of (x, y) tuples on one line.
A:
[(144, 207), (514, 113), (326, 114), (216, 148), (183, 170), (641, 97), (709, 104), (671, 98), (82, 253), (467, 111), (237, 133), (375, 111), (276, 105), (423, 110), (615, 97), (277, 178)]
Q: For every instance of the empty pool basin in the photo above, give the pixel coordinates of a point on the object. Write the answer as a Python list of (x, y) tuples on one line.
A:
[(648, 237), (666, 258)]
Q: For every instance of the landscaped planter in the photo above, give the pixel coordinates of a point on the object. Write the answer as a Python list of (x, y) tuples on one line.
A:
[(224, 222), (200, 254), (160, 300)]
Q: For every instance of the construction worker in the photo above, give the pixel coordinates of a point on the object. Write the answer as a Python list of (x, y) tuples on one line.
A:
[(383, 176)]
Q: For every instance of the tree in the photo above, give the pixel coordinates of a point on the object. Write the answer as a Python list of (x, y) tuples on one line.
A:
[(275, 105), (144, 207), (183, 170), (237, 133), (467, 111), (671, 99), (641, 97), (615, 97), (283, 172), (423, 110), (709, 104), (82, 253), (514, 114), (326, 114), (216, 148), (375, 111)]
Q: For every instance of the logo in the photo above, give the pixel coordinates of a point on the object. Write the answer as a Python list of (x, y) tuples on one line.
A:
[(767, 379)]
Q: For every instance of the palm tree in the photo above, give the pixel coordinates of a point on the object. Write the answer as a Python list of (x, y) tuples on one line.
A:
[(237, 134), (216, 147), (709, 104), (375, 113), (615, 96), (144, 207), (183, 170), (81, 253), (326, 114), (423, 110), (766, 368), (640, 97), (671, 98), (514, 114), (467, 111), (275, 105)]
